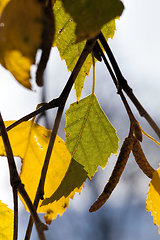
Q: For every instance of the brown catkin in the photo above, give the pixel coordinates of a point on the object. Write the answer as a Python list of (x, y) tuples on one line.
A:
[(137, 131), (141, 159), (116, 174)]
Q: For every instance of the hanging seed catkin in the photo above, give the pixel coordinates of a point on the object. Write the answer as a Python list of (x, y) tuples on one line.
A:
[(137, 131), (116, 174), (141, 159)]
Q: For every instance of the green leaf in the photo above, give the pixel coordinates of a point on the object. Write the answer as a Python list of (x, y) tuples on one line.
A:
[(6, 222), (90, 137), (65, 42), (90, 16), (21, 31), (74, 178)]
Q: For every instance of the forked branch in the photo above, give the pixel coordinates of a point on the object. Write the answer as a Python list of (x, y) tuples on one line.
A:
[(18, 186), (124, 85), (63, 98), (134, 124)]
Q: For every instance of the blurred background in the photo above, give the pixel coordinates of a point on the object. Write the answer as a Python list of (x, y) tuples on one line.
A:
[(136, 46)]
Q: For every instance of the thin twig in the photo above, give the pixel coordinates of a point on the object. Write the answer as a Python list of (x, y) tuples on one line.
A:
[(15, 202), (93, 61), (134, 124), (44, 114), (52, 104), (63, 98), (107, 64), (128, 109), (47, 41), (40, 189), (17, 184), (124, 85)]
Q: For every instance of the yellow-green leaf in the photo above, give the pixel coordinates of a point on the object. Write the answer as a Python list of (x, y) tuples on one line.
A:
[(69, 51), (29, 141), (153, 199), (6, 222), (90, 137), (90, 16), (21, 27)]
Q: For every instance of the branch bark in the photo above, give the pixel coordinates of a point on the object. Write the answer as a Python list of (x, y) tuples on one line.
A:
[(134, 124), (15, 202), (18, 186), (63, 98), (124, 85), (46, 106)]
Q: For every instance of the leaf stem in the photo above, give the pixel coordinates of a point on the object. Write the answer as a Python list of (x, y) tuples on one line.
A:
[(127, 107), (63, 98), (17, 184), (93, 86), (124, 85)]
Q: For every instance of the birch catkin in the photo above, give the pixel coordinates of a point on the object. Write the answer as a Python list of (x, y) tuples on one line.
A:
[(116, 174), (137, 131), (141, 159)]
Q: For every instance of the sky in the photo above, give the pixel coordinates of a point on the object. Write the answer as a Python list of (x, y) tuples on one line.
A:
[(137, 50)]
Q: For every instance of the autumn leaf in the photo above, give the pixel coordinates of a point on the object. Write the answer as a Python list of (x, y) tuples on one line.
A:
[(19, 22), (153, 199), (3, 3), (6, 222), (29, 141), (90, 137), (90, 16), (65, 42), (74, 178)]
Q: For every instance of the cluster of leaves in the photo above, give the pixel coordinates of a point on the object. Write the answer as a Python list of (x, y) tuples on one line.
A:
[(90, 137)]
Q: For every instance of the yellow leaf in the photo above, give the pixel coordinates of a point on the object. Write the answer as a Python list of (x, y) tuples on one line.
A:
[(3, 3), (153, 199), (21, 27), (19, 65), (6, 222), (74, 178), (29, 141)]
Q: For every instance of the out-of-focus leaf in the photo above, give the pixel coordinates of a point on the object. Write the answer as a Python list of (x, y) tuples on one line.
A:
[(90, 16), (6, 222), (29, 141), (90, 137), (153, 199), (65, 42), (21, 27), (3, 3)]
